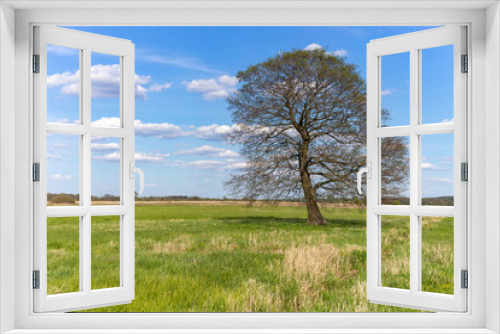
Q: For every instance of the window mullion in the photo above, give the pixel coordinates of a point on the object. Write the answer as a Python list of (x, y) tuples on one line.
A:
[(414, 170), (85, 177)]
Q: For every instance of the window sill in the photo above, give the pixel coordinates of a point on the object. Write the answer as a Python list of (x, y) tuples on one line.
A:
[(250, 331)]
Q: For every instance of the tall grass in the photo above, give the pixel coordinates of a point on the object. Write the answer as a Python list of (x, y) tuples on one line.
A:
[(249, 259)]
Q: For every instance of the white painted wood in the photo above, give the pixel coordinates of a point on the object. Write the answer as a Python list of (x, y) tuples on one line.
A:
[(413, 43), (86, 298), (471, 322), (492, 187), (73, 129), (7, 167), (243, 4)]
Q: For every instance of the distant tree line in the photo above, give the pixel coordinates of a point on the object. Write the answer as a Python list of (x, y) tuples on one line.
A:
[(72, 198), (441, 201)]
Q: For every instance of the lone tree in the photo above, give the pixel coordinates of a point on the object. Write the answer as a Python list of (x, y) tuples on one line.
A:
[(301, 125)]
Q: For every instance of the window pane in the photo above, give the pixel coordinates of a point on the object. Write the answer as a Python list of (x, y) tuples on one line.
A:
[(63, 169), (105, 252), (437, 169), (395, 89), (437, 84), (437, 254), (395, 244), (105, 86), (106, 157), (63, 85), (63, 255), (395, 170)]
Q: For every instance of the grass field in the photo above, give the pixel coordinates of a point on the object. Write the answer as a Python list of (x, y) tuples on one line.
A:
[(194, 258)]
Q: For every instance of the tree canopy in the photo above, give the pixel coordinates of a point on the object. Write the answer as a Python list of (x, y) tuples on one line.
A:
[(301, 126)]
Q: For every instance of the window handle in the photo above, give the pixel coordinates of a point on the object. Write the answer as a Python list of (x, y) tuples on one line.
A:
[(139, 171), (368, 171)]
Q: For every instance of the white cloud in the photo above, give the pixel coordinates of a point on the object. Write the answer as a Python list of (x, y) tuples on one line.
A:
[(59, 177), (158, 130), (214, 88), (107, 122), (213, 132), (115, 156), (446, 160), (237, 165), (339, 53), (138, 156), (53, 156), (313, 46), (428, 165), (105, 147), (189, 63), (387, 92), (439, 180), (158, 88), (207, 165), (150, 157), (446, 120), (199, 164), (336, 53), (105, 82), (210, 151)]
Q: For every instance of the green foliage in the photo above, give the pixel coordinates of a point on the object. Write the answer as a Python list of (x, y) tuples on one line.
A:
[(241, 259)]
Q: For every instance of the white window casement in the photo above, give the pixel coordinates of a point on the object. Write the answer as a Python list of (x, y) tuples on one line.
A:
[(477, 141), (86, 44), (415, 44)]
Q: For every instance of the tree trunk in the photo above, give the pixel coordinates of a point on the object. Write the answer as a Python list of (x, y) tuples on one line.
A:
[(314, 216)]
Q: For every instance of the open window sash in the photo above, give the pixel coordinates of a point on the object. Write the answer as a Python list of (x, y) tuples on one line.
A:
[(415, 297), (85, 44)]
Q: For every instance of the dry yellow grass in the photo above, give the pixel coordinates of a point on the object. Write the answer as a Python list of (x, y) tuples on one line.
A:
[(431, 220), (178, 245), (313, 261), (56, 252), (222, 243)]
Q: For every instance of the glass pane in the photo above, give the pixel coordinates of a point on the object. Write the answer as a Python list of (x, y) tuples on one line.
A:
[(63, 85), (63, 255), (437, 84), (105, 86), (437, 254), (395, 243), (395, 170), (105, 252), (437, 169), (63, 169), (106, 156), (395, 89)]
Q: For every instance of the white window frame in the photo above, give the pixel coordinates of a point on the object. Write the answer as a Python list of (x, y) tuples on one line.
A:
[(86, 44), (414, 43), (483, 102)]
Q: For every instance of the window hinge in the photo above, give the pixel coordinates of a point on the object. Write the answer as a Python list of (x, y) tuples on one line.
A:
[(465, 64), (36, 279), (464, 171), (36, 172), (36, 63), (465, 279)]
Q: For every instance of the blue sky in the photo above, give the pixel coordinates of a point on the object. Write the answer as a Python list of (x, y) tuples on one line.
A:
[(183, 75)]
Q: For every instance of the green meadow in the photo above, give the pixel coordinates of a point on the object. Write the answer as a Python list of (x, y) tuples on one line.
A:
[(218, 258)]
